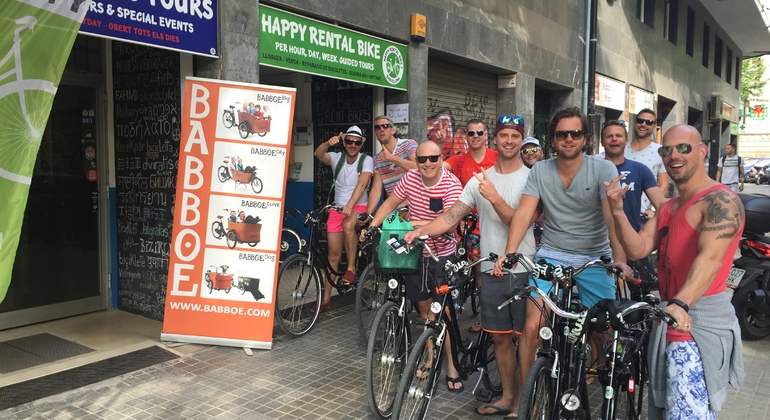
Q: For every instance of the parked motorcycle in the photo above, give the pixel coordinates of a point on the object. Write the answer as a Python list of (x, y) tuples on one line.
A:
[(750, 275)]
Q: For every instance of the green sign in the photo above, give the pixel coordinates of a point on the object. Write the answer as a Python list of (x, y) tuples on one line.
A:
[(293, 42)]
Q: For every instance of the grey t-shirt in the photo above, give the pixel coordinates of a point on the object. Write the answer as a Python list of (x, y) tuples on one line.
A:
[(573, 222), (493, 232)]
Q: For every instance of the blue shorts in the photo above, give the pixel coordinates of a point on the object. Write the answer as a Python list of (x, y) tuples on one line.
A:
[(593, 284)]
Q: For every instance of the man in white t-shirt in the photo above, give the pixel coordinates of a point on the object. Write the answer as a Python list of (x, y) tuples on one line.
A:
[(350, 180), (730, 169), (643, 150)]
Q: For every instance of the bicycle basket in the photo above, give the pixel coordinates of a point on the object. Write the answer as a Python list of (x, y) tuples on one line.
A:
[(396, 227)]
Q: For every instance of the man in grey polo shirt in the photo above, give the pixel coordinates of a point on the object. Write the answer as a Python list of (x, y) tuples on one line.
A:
[(570, 191)]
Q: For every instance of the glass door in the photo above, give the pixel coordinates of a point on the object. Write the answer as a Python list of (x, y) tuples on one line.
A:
[(57, 268)]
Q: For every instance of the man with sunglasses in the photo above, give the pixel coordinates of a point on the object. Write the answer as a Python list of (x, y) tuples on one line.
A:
[(350, 193), (391, 163), (696, 235), (645, 151), (496, 193), (428, 191), (570, 191)]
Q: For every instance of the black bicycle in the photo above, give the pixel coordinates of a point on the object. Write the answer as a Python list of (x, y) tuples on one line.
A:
[(301, 280), (465, 252), (417, 385), (292, 240)]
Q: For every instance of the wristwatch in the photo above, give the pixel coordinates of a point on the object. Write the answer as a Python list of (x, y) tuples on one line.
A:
[(680, 304)]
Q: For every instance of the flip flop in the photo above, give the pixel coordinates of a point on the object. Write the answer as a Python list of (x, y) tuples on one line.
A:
[(422, 372), (498, 410), (513, 415), (454, 381)]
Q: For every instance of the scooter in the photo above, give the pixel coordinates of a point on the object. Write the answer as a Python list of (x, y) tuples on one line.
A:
[(750, 276)]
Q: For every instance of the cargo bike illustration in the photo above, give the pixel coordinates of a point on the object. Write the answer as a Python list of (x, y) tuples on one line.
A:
[(248, 231), (217, 278), (242, 176), (247, 123)]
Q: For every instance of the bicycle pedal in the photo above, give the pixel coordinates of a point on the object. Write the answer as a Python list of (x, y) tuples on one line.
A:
[(484, 395)]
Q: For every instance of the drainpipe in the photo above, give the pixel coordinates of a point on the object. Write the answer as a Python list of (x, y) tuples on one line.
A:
[(589, 70)]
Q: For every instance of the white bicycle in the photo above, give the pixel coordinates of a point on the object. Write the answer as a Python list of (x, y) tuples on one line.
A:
[(22, 120)]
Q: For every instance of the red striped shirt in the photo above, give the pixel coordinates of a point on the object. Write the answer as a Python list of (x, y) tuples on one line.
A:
[(419, 197)]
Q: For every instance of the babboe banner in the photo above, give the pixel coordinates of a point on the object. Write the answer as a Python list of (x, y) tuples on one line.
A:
[(36, 37), (228, 213)]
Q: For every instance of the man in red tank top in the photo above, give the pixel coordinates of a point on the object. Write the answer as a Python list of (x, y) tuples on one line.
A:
[(696, 236)]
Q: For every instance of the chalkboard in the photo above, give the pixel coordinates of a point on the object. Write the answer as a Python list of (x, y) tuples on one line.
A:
[(147, 98), (337, 104)]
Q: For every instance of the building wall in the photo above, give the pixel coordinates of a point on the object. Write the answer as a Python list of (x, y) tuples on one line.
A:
[(631, 51)]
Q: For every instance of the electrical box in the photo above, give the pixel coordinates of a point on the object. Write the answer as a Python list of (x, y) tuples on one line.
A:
[(303, 133)]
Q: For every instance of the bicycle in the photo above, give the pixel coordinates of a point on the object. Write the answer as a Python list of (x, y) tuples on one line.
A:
[(621, 376), (39, 92), (292, 241), (228, 117), (417, 385), (556, 385), (301, 280), (464, 249)]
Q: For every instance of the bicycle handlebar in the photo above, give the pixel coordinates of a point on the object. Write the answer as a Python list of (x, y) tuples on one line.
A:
[(421, 242), (547, 271)]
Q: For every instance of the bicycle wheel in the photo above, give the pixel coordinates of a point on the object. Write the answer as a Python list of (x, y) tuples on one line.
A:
[(371, 292), (217, 230), (418, 382), (232, 239), (539, 392), (228, 119), (291, 243), (491, 378), (298, 294), (256, 185), (223, 174), (385, 358)]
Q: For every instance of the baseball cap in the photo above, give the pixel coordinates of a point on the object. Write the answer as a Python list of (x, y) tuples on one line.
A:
[(530, 140), (354, 131), (510, 121)]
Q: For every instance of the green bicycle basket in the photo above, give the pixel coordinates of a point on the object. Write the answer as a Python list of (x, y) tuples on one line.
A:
[(396, 227)]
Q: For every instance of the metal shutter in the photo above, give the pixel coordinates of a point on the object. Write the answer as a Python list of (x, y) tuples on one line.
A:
[(457, 94)]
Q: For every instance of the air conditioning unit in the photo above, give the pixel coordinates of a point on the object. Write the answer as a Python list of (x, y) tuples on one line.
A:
[(715, 108)]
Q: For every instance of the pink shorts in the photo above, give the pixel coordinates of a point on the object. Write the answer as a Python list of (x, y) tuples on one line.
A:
[(334, 224)]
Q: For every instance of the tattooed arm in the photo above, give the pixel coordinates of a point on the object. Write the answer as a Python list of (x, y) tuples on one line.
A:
[(446, 222), (719, 216)]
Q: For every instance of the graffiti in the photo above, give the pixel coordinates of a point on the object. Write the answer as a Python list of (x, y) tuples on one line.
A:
[(476, 104), (451, 121)]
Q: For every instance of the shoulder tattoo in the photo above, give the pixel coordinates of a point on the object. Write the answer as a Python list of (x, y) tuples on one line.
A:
[(724, 213), (456, 212)]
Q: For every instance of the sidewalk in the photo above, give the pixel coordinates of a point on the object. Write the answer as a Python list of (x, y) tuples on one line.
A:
[(318, 376)]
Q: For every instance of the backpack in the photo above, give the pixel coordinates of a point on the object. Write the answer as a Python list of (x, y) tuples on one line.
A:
[(740, 161), (338, 168)]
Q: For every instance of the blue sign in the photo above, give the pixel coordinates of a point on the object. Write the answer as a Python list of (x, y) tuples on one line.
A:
[(188, 25)]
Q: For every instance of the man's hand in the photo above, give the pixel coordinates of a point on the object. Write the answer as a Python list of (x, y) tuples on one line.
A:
[(410, 236), (334, 139), (628, 272), (486, 188), (740, 187), (616, 193), (681, 317), (386, 155), (346, 210)]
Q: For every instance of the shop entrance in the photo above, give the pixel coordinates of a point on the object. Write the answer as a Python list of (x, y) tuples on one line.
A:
[(58, 263)]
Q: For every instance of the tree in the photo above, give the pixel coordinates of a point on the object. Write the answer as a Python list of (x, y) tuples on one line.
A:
[(752, 81)]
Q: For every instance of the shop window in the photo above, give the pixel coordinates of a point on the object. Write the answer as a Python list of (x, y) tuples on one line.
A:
[(645, 11), (729, 66), (671, 21), (706, 44), (718, 57), (86, 55), (690, 42), (737, 73)]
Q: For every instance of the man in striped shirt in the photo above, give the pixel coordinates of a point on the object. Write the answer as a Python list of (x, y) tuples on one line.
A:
[(396, 157), (428, 191)]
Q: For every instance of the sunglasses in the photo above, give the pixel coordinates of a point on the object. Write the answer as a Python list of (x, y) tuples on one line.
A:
[(382, 126), (508, 119), (530, 150), (647, 122), (682, 148), (476, 133), (576, 134), (356, 142), (423, 159)]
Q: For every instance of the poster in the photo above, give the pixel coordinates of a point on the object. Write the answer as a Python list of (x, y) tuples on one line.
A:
[(223, 262)]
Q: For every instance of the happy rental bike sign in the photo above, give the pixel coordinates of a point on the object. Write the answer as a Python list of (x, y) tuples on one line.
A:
[(35, 41), (290, 41)]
